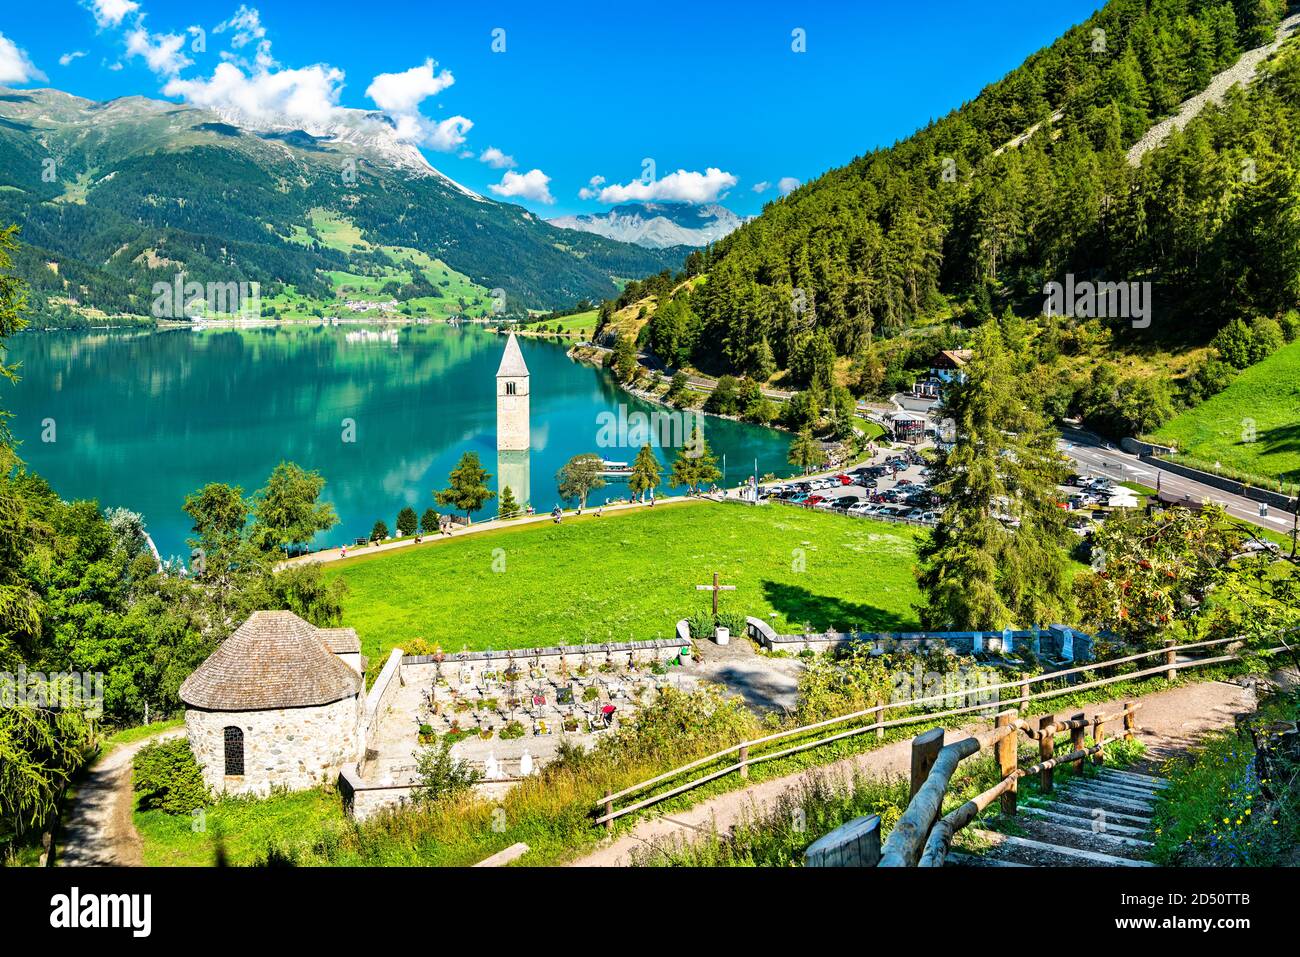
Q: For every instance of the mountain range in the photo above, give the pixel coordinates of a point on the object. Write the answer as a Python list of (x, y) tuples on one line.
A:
[(657, 225), (114, 196)]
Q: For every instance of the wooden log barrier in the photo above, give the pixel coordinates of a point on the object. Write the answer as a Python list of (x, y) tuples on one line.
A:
[(1046, 748), (1078, 728), (925, 750)]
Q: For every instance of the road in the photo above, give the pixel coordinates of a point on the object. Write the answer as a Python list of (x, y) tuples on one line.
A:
[(1096, 458)]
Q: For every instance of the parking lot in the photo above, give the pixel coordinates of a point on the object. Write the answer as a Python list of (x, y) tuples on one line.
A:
[(894, 486)]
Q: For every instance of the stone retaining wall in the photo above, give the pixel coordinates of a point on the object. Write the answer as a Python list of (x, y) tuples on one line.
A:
[(1273, 499), (382, 693), (1050, 641), (468, 665)]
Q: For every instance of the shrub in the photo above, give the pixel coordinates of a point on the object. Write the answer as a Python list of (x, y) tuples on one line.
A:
[(379, 532), (166, 776), (440, 775), (512, 730)]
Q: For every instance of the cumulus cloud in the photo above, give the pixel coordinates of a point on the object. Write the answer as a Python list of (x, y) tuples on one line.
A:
[(245, 27), (787, 185), (496, 159), (111, 13), (404, 92), (592, 189), (15, 65), (70, 56), (683, 186), (162, 52), (533, 185), (308, 95)]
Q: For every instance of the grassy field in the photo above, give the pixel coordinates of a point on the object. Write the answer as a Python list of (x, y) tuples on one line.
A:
[(1253, 425), (241, 829), (630, 577)]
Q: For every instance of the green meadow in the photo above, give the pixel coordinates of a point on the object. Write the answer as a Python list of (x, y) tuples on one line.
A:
[(1252, 426), (631, 576)]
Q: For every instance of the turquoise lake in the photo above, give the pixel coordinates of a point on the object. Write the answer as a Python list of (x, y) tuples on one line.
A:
[(141, 419)]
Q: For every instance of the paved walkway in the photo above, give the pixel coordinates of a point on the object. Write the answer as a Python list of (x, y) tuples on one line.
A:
[(98, 830), (1169, 722)]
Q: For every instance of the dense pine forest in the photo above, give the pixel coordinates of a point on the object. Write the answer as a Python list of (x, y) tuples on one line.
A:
[(903, 250)]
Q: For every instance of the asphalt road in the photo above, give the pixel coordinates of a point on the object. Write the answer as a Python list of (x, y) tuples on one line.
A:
[(1095, 458)]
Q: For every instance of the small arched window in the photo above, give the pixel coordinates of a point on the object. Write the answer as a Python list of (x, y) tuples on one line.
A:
[(234, 752), (510, 388)]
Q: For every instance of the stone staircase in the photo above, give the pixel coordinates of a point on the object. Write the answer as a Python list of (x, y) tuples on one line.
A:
[(1098, 819)]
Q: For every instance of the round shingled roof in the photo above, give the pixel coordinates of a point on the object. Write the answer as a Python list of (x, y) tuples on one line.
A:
[(273, 660)]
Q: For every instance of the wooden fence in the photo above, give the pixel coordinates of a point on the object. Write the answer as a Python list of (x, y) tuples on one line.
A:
[(739, 758), (922, 838)]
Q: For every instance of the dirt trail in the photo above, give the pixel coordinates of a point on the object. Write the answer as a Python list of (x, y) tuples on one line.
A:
[(1169, 722), (98, 830)]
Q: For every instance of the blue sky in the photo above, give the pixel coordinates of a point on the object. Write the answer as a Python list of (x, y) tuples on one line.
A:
[(580, 90)]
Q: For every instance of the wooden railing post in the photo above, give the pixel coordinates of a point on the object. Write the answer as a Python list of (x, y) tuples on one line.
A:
[(1023, 703), (1077, 734), (609, 809), (1171, 659), (1046, 749), (1129, 723), (1005, 752), (744, 760), (1098, 737), (925, 750)]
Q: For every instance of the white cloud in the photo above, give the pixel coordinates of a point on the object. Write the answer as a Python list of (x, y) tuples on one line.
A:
[(404, 92), (110, 13), (15, 66), (496, 159), (787, 185), (245, 27), (533, 185), (592, 189), (683, 186), (308, 95), (70, 56), (762, 187), (161, 51)]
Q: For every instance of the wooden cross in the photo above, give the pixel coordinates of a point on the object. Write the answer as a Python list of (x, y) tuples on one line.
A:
[(715, 588)]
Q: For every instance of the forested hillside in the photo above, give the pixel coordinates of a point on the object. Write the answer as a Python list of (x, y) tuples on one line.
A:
[(970, 217), (123, 194)]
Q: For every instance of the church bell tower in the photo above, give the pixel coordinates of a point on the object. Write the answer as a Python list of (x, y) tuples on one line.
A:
[(513, 434)]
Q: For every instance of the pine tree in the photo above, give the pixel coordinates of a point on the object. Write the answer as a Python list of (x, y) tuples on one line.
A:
[(406, 521), (507, 507), (429, 521), (695, 465), (646, 472), (998, 555), (806, 452), (468, 489)]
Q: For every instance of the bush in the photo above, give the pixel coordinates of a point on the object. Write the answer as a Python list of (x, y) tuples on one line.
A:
[(440, 775), (512, 730), (379, 532), (166, 776)]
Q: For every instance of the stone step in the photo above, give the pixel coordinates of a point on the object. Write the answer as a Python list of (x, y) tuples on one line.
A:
[(1081, 820), (1081, 838), (958, 859), (1069, 806), (1119, 788), (1045, 853), (1108, 799), (1143, 779)]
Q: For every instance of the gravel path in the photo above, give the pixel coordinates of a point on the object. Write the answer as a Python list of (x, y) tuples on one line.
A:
[(1243, 72), (99, 830), (1169, 722)]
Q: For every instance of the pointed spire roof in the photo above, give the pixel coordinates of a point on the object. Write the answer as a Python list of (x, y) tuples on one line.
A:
[(512, 360)]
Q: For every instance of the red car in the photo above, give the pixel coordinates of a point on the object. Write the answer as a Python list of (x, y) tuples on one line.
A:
[(812, 500), (844, 479)]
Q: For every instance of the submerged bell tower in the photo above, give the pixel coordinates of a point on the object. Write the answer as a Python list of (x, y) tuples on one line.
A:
[(514, 437)]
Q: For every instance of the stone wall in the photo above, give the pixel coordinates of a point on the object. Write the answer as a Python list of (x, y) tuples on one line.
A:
[(1049, 641), (294, 748), (1273, 499), (472, 664), (381, 695)]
